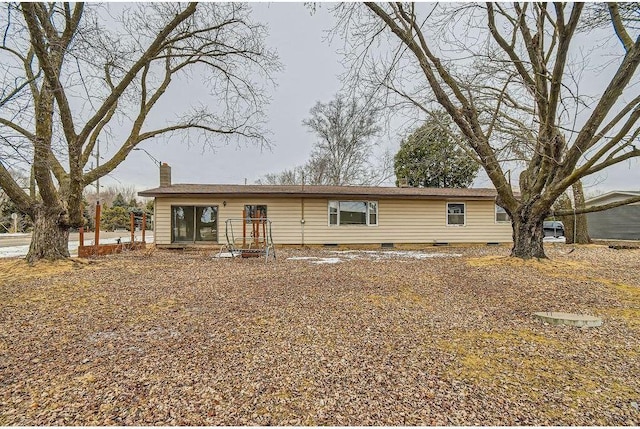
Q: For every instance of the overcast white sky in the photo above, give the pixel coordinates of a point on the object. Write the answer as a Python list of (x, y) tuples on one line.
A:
[(311, 72)]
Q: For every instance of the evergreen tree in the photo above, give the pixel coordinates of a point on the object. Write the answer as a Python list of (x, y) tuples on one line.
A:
[(431, 158), (120, 202)]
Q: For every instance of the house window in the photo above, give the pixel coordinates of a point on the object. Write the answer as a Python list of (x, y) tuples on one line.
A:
[(373, 213), (353, 213), (501, 214), (255, 211), (194, 223), (455, 214), (333, 212)]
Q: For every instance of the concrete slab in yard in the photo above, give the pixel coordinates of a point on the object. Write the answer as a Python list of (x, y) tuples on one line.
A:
[(559, 318)]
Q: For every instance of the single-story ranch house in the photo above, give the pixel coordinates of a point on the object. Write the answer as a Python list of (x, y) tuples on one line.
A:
[(191, 214)]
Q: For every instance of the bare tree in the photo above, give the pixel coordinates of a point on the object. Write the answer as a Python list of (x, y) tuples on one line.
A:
[(74, 75), (345, 130), (509, 87), (8, 208), (294, 176), (343, 152)]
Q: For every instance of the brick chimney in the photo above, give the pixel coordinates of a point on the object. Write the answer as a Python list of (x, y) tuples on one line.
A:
[(165, 175)]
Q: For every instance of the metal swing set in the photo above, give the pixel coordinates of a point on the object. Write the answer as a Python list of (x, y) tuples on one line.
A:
[(254, 242)]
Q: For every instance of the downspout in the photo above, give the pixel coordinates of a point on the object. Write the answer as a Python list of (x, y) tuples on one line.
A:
[(302, 220), (302, 213), (155, 207)]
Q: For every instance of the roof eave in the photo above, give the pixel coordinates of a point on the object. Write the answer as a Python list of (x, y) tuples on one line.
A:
[(159, 194), (590, 201)]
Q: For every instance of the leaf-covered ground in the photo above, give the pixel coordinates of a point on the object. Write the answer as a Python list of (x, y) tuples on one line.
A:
[(181, 338)]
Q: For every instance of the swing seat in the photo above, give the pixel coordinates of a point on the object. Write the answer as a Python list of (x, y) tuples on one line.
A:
[(249, 246)]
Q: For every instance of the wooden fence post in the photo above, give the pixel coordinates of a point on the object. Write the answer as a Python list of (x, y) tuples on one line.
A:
[(144, 225), (133, 223), (97, 236), (244, 228)]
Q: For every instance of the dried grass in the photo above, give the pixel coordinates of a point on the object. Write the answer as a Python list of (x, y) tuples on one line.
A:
[(181, 338)]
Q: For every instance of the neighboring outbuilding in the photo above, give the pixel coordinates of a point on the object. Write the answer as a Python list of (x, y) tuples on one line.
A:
[(192, 214), (620, 223)]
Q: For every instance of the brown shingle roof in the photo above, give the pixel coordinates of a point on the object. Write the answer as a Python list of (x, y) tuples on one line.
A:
[(184, 190)]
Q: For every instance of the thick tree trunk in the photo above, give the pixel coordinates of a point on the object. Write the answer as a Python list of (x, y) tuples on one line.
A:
[(527, 237), (50, 238), (581, 233), (576, 229)]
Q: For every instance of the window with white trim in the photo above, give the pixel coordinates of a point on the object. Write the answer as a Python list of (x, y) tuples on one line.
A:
[(353, 213), (455, 214), (501, 214)]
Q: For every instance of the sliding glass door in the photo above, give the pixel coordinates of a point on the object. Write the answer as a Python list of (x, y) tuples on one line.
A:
[(190, 224)]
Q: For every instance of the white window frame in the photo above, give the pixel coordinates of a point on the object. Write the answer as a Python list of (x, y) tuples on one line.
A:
[(367, 215), (464, 214), (508, 220)]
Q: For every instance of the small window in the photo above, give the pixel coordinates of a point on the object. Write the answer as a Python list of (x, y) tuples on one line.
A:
[(353, 213), (501, 214), (455, 214), (255, 211), (333, 212), (373, 213)]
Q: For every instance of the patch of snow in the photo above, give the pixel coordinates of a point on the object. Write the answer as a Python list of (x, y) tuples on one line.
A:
[(419, 255), (554, 239), (327, 261), (376, 254), (355, 251), (15, 251), (225, 255)]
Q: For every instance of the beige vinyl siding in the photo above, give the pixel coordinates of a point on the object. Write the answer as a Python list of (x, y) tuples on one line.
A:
[(408, 221), (162, 221), (399, 221), (284, 214)]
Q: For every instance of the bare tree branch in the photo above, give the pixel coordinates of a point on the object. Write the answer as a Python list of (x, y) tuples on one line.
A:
[(510, 85), (122, 70), (592, 209)]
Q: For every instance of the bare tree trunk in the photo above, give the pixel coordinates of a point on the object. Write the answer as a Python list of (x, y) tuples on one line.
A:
[(527, 237), (581, 231), (576, 230), (564, 202), (50, 238), (523, 77), (41, 107)]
